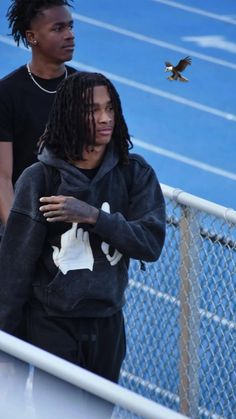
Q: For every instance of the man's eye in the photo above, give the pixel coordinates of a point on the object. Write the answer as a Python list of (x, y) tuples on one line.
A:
[(93, 110)]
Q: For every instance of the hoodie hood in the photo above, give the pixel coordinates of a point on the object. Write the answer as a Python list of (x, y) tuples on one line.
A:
[(71, 177)]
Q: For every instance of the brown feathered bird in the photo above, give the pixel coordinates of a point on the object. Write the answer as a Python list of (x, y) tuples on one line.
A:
[(178, 69)]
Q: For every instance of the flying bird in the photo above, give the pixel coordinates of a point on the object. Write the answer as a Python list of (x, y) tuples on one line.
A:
[(178, 69)]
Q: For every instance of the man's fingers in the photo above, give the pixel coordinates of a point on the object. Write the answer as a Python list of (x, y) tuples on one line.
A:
[(55, 205), (60, 218), (52, 199), (53, 215), (51, 207)]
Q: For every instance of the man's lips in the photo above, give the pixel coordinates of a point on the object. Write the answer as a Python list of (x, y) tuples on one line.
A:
[(69, 47), (104, 131)]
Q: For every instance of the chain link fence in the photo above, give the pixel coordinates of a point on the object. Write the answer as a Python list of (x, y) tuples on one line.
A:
[(181, 313)]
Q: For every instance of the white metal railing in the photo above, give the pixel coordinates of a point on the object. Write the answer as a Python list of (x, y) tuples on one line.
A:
[(84, 379), (200, 204)]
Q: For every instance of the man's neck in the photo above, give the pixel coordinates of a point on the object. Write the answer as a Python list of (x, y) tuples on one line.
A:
[(46, 70), (93, 157)]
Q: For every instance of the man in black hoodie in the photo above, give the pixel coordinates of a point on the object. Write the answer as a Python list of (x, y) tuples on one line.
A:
[(79, 215)]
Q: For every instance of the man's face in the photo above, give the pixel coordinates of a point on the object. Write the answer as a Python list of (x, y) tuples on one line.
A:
[(52, 30), (103, 114)]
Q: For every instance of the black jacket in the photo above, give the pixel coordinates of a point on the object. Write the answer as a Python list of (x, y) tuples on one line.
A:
[(70, 269)]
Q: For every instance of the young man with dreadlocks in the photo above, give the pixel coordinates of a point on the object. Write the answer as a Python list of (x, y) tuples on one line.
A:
[(26, 95), (79, 215)]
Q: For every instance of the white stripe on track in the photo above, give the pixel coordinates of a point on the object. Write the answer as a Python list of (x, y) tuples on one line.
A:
[(153, 41), (183, 159), (222, 18)]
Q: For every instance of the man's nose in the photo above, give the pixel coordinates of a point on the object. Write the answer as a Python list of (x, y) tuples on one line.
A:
[(104, 116), (69, 33)]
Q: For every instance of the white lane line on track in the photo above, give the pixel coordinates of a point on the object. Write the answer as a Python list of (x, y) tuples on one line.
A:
[(222, 18), (153, 41), (183, 159), (144, 87)]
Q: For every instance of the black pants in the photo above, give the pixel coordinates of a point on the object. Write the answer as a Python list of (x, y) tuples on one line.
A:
[(96, 344)]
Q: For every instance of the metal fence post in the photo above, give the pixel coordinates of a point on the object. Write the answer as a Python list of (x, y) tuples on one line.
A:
[(189, 312)]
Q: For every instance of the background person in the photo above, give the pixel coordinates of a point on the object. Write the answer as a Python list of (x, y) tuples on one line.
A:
[(26, 94)]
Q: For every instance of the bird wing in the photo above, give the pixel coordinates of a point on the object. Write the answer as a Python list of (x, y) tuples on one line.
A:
[(183, 64), (167, 64)]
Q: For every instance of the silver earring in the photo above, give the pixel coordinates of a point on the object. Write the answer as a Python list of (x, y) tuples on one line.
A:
[(35, 42)]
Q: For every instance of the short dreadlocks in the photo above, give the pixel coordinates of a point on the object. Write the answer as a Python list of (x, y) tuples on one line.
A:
[(21, 13), (67, 130)]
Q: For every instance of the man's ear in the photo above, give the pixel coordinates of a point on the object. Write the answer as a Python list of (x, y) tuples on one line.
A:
[(31, 39)]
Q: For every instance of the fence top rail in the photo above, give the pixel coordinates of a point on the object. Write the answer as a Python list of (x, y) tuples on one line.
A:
[(200, 204)]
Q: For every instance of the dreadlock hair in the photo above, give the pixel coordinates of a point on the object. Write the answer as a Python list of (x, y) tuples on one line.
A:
[(21, 13), (68, 129)]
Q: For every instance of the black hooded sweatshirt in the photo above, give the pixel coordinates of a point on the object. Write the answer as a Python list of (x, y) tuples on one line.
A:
[(79, 270)]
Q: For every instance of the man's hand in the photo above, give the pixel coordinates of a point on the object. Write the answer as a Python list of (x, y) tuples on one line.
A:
[(68, 209)]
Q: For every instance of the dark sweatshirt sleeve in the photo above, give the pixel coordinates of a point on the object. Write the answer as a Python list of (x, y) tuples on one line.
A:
[(141, 234), (20, 249)]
